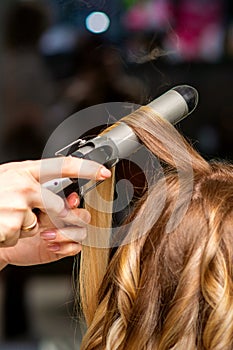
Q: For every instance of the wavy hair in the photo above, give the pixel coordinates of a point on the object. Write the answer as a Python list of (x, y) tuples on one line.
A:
[(169, 284)]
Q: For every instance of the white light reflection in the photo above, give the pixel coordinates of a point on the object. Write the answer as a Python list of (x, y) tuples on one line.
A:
[(97, 22)]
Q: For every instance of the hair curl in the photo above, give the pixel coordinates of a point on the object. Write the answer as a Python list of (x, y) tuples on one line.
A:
[(171, 286)]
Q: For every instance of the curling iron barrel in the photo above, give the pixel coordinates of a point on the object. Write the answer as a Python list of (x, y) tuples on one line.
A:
[(120, 142)]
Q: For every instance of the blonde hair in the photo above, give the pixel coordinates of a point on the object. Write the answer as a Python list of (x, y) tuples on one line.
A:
[(170, 286)]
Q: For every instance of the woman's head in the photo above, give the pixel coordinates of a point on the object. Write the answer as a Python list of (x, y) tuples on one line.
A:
[(170, 285)]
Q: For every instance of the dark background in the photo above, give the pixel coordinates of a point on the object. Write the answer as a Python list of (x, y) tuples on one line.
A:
[(52, 66)]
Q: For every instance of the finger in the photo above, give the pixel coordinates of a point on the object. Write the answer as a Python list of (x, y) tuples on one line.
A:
[(14, 165), (48, 202), (73, 233), (64, 249), (48, 169), (73, 223), (10, 236), (73, 200), (10, 227), (77, 217), (70, 233), (30, 224)]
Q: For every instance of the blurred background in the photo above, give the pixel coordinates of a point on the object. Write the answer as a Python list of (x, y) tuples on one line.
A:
[(60, 56)]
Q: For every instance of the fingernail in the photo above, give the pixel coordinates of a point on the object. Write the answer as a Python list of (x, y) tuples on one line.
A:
[(104, 172), (48, 235), (73, 200), (54, 247)]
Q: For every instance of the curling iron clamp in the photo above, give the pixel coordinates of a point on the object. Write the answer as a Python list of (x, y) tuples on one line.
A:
[(120, 142)]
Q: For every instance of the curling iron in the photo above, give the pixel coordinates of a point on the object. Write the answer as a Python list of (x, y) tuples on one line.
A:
[(120, 142)]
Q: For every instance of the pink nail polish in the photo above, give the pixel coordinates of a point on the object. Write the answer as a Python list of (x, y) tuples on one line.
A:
[(73, 200), (48, 235), (54, 247)]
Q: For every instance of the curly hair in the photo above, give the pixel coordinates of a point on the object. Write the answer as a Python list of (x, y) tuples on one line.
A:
[(169, 284)]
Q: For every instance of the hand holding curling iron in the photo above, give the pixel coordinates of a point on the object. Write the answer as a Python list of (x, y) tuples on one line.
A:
[(27, 238)]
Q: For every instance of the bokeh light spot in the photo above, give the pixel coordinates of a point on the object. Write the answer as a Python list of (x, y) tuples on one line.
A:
[(97, 22)]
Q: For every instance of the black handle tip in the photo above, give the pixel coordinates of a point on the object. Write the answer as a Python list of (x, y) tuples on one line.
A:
[(190, 95)]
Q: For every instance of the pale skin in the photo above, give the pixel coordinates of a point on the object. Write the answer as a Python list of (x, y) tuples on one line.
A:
[(61, 224)]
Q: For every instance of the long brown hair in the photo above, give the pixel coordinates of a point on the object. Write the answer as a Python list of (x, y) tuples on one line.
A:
[(169, 285)]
